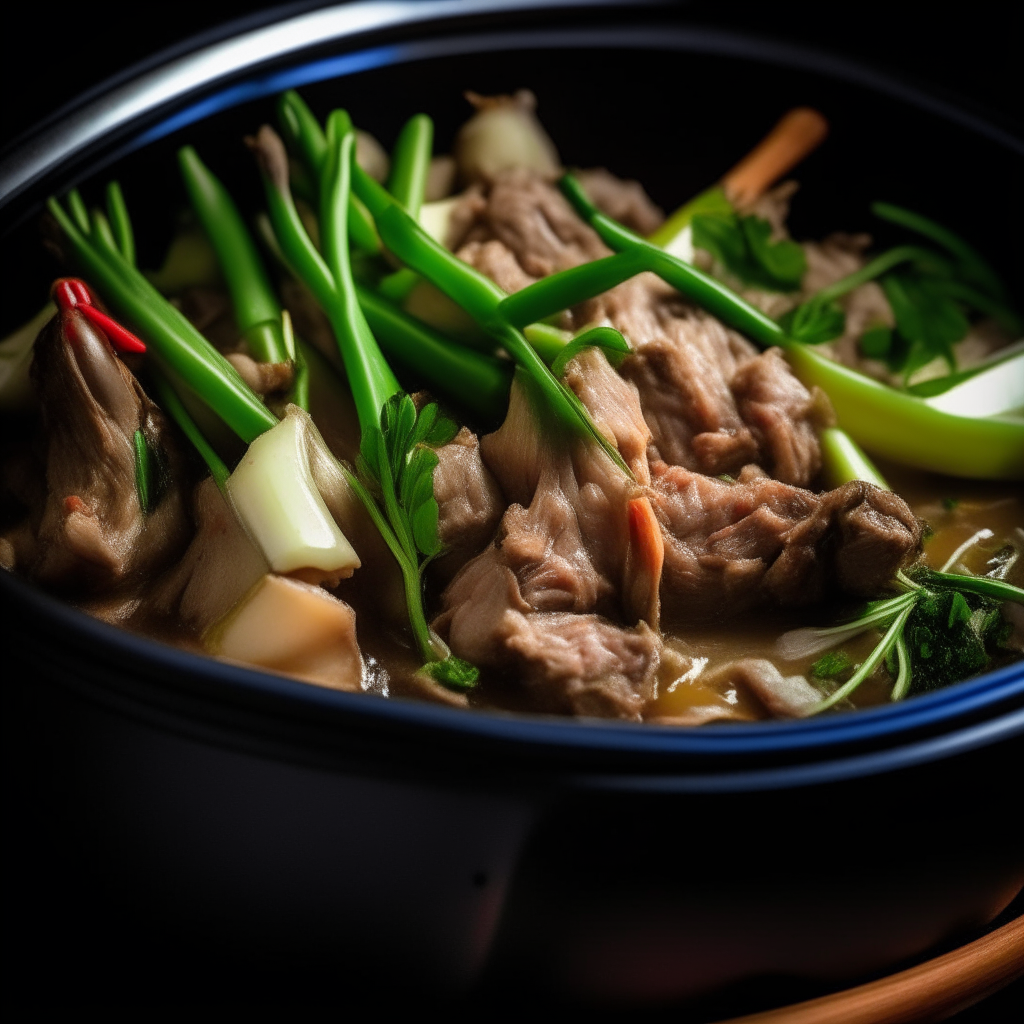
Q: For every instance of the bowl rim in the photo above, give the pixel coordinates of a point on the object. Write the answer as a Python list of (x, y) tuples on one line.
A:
[(138, 109)]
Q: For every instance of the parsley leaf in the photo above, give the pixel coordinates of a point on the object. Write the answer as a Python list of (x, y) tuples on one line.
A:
[(814, 322), (742, 244), (927, 319), (832, 665)]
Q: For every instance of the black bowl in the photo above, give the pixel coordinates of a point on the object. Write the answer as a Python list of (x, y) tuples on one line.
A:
[(189, 826)]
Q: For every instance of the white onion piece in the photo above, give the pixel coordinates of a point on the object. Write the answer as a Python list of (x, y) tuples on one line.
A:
[(504, 133), (681, 245), (802, 643), (276, 498)]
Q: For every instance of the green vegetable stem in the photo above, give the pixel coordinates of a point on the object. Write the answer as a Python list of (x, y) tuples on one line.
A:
[(410, 163), (480, 297), (942, 627), (394, 477), (303, 133), (173, 341), (256, 307)]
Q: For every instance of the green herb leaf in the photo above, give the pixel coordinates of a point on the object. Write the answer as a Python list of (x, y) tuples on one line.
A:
[(927, 319), (814, 322), (832, 665), (876, 343), (743, 245), (453, 672)]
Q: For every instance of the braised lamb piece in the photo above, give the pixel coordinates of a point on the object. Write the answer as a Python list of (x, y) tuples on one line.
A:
[(89, 532)]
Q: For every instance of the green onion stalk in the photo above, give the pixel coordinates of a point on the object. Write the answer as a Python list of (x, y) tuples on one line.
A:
[(480, 297), (179, 350), (410, 164), (937, 630), (890, 422), (257, 310), (394, 473)]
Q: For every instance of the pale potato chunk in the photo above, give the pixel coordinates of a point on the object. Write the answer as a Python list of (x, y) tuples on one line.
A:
[(294, 628)]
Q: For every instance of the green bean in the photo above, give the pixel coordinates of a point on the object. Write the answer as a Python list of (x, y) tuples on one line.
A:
[(163, 327), (257, 310), (121, 222), (410, 163)]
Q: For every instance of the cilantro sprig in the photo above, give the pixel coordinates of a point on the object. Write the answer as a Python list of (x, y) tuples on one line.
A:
[(395, 467), (743, 245), (932, 295), (941, 628)]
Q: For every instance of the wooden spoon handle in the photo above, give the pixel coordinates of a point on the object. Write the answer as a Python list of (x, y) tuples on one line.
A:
[(798, 133), (929, 992)]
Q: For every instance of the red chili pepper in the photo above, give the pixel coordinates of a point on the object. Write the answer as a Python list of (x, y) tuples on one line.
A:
[(72, 293)]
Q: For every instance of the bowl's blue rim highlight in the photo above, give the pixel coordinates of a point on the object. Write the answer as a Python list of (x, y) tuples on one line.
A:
[(664, 37), (830, 733), (272, 84)]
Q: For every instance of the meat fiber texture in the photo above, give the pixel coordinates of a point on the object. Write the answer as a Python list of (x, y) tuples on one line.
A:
[(554, 600), (86, 533)]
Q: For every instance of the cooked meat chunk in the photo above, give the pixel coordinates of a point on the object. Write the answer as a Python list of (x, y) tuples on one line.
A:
[(712, 402), (469, 503), (520, 608), (624, 201), (531, 219), (263, 378), (730, 547), (573, 548), (91, 534)]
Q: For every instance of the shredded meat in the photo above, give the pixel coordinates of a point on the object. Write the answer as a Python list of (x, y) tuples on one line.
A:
[(624, 201), (540, 601), (89, 534), (712, 402), (469, 503), (734, 546)]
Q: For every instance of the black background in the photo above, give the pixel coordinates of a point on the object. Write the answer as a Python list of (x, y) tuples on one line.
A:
[(974, 56)]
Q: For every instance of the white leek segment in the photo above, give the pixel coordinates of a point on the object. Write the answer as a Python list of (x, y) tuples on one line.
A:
[(997, 391), (295, 628), (911, 430), (435, 218), (275, 496), (15, 359), (681, 245)]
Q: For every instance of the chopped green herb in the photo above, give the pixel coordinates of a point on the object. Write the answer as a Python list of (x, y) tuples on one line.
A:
[(949, 504), (943, 627), (876, 343), (744, 246), (832, 665), (814, 322)]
